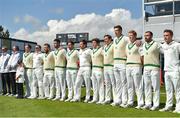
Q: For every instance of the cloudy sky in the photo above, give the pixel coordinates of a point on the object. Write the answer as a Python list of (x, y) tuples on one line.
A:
[(41, 20)]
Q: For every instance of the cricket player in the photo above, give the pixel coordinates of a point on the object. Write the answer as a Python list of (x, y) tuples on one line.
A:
[(11, 67), (134, 71), (110, 84), (4, 72), (84, 72), (97, 72), (71, 69), (60, 65), (48, 80), (38, 89), (120, 42), (171, 51), (151, 53), (28, 63)]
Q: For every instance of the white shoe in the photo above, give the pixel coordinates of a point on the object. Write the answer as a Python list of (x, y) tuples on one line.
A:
[(75, 100), (123, 105), (56, 98), (154, 108), (30, 97), (62, 99), (86, 100), (93, 101), (41, 98), (128, 106), (50, 98), (176, 111), (69, 99), (7, 94), (166, 109), (139, 107), (106, 102), (114, 104), (146, 107), (72, 100), (10, 95), (99, 102)]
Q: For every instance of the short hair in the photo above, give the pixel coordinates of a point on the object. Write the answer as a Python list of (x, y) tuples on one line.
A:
[(169, 31), (20, 61), (38, 46), (118, 26), (17, 47), (57, 40), (109, 36), (149, 33), (28, 45), (46, 44), (84, 42), (70, 41), (5, 47), (133, 32), (96, 40)]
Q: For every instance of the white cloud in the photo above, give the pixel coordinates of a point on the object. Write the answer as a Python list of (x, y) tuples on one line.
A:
[(57, 10), (16, 19), (96, 25), (32, 20), (28, 19)]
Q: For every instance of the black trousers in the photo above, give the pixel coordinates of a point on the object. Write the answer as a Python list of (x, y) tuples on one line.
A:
[(5, 83), (12, 76), (20, 90)]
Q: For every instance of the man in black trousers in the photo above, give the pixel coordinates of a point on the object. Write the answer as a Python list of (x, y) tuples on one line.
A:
[(12, 67), (4, 72)]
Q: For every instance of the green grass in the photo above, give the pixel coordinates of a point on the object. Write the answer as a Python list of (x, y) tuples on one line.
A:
[(11, 107)]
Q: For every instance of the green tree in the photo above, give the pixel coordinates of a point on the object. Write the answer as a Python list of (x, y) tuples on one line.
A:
[(4, 33)]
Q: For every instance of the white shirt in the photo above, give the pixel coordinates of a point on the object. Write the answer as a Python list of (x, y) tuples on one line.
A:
[(38, 60), (20, 73), (12, 63), (85, 57), (4, 62), (171, 56)]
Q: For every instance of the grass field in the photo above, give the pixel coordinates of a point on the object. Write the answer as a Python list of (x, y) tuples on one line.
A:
[(11, 107)]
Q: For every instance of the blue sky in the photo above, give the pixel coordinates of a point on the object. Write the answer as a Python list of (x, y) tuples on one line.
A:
[(12, 11)]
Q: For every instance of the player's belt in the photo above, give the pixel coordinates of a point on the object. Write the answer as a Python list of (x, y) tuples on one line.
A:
[(71, 68), (95, 66), (28, 68), (48, 69), (60, 67), (120, 59)]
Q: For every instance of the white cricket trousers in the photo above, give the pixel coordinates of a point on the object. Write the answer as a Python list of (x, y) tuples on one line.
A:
[(49, 83), (71, 79), (28, 82), (152, 81), (110, 84), (83, 73), (98, 85), (121, 83), (60, 82), (135, 83), (172, 84), (38, 89)]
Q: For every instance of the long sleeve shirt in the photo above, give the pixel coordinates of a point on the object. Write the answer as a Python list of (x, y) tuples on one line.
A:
[(4, 62), (85, 57), (171, 56), (12, 63)]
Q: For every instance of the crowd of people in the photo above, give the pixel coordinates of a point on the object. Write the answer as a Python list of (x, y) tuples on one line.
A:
[(117, 71)]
